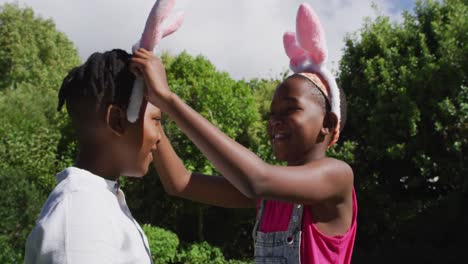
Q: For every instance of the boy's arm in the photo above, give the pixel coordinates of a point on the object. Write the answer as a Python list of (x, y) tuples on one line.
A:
[(178, 181), (323, 180)]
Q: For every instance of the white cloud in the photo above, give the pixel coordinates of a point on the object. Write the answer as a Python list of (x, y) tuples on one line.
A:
[(242, 37)]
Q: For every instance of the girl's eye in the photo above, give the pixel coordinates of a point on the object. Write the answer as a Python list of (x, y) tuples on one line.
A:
[(291, 110), (157, 120)]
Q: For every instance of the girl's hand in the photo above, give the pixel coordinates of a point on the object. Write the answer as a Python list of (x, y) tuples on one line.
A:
[(145, 64)]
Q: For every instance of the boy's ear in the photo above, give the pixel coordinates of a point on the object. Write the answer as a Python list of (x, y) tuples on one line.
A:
[(329, 123), (115, 119)]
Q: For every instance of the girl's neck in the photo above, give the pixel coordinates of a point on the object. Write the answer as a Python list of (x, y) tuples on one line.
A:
[(94, 160)]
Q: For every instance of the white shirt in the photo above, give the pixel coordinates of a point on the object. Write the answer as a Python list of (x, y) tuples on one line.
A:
[(86, 220)]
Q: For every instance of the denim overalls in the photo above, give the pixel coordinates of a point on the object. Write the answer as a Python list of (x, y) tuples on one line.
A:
[(279, 247)]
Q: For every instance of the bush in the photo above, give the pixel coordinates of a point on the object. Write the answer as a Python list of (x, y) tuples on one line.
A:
[(163, 244), (201, 253), (20, 203), (164, 247), (7, 253)]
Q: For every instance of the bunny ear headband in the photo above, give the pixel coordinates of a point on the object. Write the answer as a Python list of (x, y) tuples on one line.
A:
[(307, 51), (152, 34)]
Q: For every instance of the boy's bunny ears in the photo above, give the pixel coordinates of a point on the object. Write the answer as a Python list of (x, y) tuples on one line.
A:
[(307, 51), (154, 31)]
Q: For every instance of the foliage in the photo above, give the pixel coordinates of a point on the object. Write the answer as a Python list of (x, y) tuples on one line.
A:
[(34, 57), (407, 103), (20, 203), (7, 253), (201, 253), (164, 247), (163, 244), (32, 50), (28, 146)]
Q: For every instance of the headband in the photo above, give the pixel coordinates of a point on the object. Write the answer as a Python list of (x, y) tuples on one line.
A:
[(307, 51)]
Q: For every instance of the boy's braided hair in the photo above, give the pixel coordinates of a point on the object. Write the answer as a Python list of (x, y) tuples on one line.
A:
[(102, 80)]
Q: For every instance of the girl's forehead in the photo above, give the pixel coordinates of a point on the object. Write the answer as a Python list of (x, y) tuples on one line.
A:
[(292, 87)]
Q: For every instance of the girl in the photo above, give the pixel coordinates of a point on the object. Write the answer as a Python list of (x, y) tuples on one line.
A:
[(307, 209)]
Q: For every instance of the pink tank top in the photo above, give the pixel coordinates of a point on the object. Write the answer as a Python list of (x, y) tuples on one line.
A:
[(316, 247)]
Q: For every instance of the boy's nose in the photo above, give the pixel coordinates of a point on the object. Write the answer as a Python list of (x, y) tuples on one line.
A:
[(159, 136), (156, 142)]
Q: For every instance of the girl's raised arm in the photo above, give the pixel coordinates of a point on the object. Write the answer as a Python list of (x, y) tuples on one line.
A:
[(178, 181), (308, 184)]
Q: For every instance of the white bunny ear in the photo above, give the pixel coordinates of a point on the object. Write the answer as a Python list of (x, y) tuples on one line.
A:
[(310, 34)]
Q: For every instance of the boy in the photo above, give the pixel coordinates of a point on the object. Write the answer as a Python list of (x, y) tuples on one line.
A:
[(85, 219)]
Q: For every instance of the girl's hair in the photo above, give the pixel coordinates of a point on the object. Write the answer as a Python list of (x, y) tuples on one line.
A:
[(104, 79)]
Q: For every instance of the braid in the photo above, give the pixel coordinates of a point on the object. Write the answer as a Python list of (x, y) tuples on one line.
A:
[(102, 80)]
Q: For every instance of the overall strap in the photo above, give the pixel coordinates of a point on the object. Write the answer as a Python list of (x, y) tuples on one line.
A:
[(295, 222), (259, 219)]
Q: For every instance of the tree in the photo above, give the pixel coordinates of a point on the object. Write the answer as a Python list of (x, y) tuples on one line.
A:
[(408, 116), (34, 57), (32, 50)]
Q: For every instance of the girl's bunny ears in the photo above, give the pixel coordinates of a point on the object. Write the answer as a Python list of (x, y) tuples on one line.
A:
[(152, 34), (307, 51)]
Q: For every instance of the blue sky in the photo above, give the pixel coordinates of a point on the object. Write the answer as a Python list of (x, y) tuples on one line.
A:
[(242, 37), (404, 4)]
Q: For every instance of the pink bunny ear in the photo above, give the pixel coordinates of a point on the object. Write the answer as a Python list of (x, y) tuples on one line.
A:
[(298, 56), (174, 26), (310, 34), (152, 34), (153, 31), (290, 45)]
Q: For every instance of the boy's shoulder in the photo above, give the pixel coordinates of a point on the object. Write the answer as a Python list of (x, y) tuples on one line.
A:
[(79, 204), (77, 188)]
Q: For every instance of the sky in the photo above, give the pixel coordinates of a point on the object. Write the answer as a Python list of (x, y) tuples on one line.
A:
[(241, 37)]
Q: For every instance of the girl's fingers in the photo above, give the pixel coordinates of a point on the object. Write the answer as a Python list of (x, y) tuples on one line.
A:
[(139, 61), (147, 52), (135, 69), (142, 53)]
